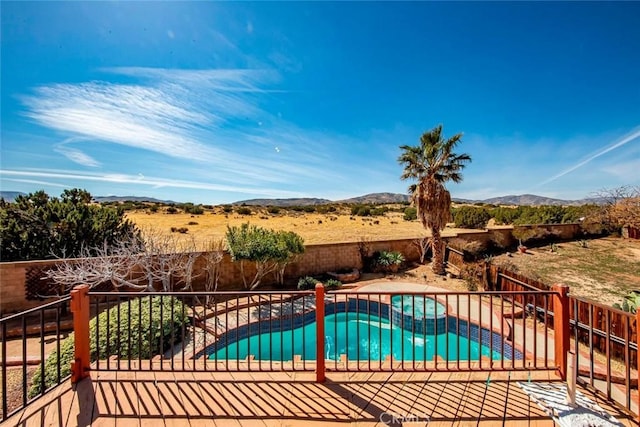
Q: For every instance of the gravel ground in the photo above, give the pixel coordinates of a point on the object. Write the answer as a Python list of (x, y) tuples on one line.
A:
[(14, 387)]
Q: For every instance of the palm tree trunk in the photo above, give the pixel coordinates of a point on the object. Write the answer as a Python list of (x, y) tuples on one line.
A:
[(438, 252)]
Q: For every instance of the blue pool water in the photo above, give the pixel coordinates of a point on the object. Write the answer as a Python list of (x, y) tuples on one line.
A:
[(418, 306), (360, 337)]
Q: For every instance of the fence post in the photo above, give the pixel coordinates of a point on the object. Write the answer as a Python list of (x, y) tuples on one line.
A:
[(638, 355), (561, 327), (320, 369), (80, 309)]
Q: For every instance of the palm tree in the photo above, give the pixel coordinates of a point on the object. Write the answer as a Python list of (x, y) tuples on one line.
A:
[(432, 164)]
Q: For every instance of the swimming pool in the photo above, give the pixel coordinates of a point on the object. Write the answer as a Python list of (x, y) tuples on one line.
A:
[(363, 336), (418, 306)]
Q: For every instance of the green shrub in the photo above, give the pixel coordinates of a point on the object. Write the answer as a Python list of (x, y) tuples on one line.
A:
[(139, 333), (630, 303), (171, 210), (243, 210), (273, 210), (410, 214), (306, 283), (193, 210), (471, 217), (332, 284), (388, 261), (227, 209)]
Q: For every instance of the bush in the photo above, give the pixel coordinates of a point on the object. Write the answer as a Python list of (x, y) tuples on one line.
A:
[(273, 210), (227, 209), (182, 230), (388, 261), (194, 210), (306, 283), (171, 210), (243, 210), (630, 303), (471, 217), (36, 226), (139, 333), (269, 250), (332, 284), (192, 223), (410, 214)]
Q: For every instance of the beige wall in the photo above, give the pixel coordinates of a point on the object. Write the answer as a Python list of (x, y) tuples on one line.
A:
[(317, 259)]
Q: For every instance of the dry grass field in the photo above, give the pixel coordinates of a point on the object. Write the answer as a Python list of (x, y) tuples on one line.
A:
[(313, 227), (604, 271)]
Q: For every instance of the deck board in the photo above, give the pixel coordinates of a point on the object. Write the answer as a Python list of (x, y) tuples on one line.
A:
[(271, 399)]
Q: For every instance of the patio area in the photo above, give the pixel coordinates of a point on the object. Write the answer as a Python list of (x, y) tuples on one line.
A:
[(294, 399)]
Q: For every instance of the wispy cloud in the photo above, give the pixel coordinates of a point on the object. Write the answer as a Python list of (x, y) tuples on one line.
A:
[(136, 180), (36, 182), (630, 137), (75, 155), (205, 117)]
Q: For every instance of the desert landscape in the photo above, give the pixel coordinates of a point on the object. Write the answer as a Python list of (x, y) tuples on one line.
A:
[(315, 228)]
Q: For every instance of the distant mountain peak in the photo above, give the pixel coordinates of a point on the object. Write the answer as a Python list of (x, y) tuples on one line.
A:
[(383, 198)]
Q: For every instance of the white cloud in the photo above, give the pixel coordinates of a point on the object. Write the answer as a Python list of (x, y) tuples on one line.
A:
[(77, 156), (626, 139), (138, 180), (36, 182)]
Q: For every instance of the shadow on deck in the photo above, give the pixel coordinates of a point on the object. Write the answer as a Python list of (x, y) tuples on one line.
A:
[(292, 399)]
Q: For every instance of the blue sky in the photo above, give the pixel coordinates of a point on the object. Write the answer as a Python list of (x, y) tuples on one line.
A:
[(218, 102)]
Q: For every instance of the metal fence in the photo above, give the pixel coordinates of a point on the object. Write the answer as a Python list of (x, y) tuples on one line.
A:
[(19, 334), (613, 333), (353, 331)]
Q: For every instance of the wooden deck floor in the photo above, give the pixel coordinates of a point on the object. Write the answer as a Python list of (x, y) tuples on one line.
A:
[(292, 399)]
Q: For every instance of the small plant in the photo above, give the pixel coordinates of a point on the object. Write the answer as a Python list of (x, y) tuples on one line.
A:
[(192, 223), (472, 275), (182, 230), (243, 210), (332, 284), (388, 261), (630, 303), (306, 283)]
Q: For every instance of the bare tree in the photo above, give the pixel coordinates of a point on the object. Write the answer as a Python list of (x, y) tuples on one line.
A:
[(423, 244), (137, 263), (113, 264), (213, 255), (620, 207)]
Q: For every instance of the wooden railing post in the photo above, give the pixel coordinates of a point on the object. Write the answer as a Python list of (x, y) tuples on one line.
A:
[(80, 309), (561, 327), (320, 368), (638, 356)]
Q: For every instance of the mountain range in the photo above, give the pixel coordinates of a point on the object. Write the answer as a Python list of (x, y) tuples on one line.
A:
[(382, 198), (373, 198)]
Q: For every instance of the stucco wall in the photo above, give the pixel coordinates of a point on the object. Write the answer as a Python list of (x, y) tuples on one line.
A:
[(317, 259)]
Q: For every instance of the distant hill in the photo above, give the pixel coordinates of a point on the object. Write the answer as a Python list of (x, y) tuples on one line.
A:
[(383, 198), (103, 199), (375, 198), (10, 196), (283, 202), (530, 200)]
